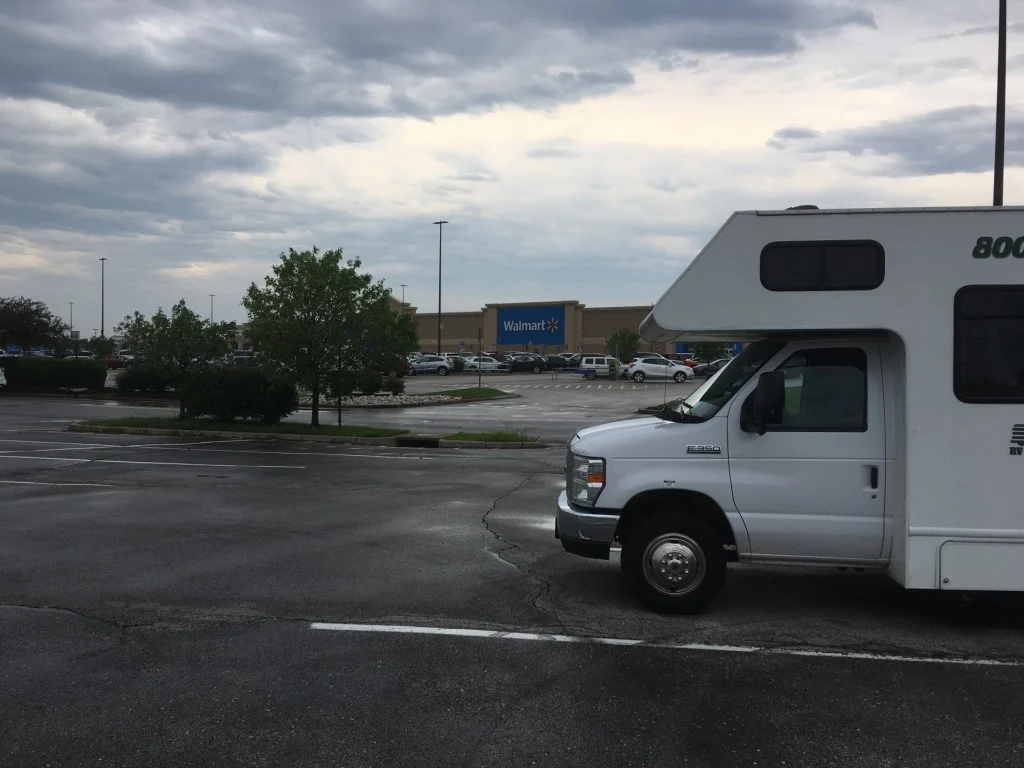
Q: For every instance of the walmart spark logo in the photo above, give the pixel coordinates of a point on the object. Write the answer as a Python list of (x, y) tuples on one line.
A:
[(552, 325)]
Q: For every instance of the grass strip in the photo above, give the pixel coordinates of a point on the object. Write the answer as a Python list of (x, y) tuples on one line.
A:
[(242, 427), (493, 437)]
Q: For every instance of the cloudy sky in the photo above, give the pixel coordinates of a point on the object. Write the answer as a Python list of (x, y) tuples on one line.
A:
[(580, 148)]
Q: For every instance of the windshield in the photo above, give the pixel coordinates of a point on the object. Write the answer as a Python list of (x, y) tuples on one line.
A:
[(709, 397)]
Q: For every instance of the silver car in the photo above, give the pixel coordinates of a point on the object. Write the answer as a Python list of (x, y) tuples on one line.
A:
[(431, 364)]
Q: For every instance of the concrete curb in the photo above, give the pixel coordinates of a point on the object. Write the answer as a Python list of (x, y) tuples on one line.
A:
[(508, 396), (390, 442)]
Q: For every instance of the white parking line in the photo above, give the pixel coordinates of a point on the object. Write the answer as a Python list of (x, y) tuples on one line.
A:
[(749, 649), (69, 485), (153, 463)]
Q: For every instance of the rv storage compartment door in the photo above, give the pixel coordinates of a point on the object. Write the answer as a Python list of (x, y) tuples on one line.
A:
[(982, 565)]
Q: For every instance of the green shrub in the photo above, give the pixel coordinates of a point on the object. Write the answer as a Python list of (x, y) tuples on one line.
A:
[(30, 372), (371, 382), (394, 385), (458, 364), (238, 392), (144, 377)]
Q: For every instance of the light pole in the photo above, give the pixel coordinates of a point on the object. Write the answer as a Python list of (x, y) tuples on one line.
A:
[(103, 295), (997, 177), (71, 323), (440, 229), (403, 298), (211, 307)]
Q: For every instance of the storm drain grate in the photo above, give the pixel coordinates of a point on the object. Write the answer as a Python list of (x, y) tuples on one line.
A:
[(417, 442)]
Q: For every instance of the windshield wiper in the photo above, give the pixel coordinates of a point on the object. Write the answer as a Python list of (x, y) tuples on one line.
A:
[(670, 414)]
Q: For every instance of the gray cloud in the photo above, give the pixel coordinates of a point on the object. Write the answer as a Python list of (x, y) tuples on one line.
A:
[(987, 29), (956, 140), (553, 148), (359, 58)]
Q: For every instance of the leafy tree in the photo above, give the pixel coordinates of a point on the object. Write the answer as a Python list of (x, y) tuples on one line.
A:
[(180, 344), (709, 350), (27, 322), (624, 344), (323, 322), (101, 346)]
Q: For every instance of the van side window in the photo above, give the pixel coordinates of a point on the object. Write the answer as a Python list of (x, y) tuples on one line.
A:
[(988, 344), (823, 265), (826, 391)]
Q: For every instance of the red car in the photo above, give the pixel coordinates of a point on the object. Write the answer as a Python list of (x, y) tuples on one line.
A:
[(114, 361)]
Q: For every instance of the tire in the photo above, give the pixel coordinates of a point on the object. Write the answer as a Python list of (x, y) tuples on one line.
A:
[(638, 377), (694, 556), (442, 371), (536, 369), (680, 377), (591, 376)]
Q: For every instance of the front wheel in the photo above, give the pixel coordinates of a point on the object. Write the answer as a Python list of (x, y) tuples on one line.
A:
[(442, 371), (674, 563), (638, 377), (536, 369), (680, 377)]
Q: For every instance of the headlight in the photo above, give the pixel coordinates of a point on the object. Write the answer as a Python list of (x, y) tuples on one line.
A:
[(585, 480)]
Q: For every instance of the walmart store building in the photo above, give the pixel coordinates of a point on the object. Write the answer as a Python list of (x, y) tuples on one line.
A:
[(544, 327)]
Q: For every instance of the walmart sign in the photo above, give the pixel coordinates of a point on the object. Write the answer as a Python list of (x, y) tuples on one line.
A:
[(534, 326)]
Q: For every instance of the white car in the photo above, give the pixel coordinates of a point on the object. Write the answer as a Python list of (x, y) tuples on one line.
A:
[(482, 363), (648, 367)]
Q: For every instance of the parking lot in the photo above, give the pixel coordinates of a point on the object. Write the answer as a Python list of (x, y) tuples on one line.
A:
[(234, 602)]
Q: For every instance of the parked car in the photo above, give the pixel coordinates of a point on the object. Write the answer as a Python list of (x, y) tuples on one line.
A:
[(482, 363), (644, 368), (442, 366), (114, 361), (527, 363), (3, 378), (594, 366), (708, 369)]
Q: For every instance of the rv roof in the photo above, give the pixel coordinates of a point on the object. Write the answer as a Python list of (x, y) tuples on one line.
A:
[(823, 211), (928, 254)]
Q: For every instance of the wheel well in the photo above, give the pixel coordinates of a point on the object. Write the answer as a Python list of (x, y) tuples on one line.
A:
[(692, 502)]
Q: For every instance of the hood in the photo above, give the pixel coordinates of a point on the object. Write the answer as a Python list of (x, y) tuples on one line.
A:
[(647, 438)]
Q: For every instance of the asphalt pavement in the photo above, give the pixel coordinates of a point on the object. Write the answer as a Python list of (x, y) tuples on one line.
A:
[(233, 602)]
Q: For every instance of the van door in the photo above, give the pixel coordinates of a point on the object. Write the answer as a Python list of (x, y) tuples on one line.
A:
[(814, 486)]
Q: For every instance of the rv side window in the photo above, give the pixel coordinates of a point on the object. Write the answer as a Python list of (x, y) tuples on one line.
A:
[(826, 391), (822, 265), (988, 344)]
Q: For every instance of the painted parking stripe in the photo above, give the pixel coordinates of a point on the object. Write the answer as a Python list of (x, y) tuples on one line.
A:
[(695, 647), (153, 463), (58, 485)]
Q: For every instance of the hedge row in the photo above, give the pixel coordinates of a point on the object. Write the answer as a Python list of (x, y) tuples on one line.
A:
[(240, 392), (31, 372)]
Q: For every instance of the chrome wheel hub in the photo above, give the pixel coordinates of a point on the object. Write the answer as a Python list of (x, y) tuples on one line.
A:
[(674, 564)]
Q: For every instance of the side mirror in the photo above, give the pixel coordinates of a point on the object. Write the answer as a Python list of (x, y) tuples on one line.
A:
[(769, 401)]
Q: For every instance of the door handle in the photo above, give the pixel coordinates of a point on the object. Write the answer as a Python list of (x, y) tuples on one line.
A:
[(874, 478)]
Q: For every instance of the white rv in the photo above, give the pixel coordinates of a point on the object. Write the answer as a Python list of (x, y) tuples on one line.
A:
[(875, 417)]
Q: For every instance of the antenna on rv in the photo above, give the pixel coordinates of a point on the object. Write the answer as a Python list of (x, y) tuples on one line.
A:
[(997, 176)]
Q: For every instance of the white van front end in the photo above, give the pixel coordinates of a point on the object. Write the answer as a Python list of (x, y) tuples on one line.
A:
[(610, 466)]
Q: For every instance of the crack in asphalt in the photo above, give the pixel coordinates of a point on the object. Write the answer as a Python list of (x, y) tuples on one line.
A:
[(543, 585), (190, 621)]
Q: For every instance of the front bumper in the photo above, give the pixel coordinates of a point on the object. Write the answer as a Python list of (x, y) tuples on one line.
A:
[(583, 533)]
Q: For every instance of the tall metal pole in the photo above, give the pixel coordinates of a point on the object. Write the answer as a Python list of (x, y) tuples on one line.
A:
[(440, 229), (997, 177), (211, 307), (71, 321), (403, 298), (103, 295)]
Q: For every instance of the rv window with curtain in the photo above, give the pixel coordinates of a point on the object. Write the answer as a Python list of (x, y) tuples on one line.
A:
[(823, 265), (988, 344)]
